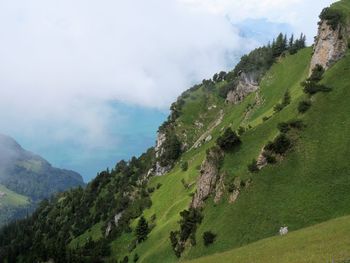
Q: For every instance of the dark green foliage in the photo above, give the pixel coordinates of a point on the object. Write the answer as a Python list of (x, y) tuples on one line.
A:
[(125, 259), (208, 238), (172, 148), (188, 227), (280, 145), (228, 140), (47, 233), (159, 185), (332, 16), (283, 127), (142, 229), (311, 85), (317, 73), (241, 130), (270, 158), (286, 101), (279, 45), (252, 167), (184, 166), (136, 257), (304, 106)]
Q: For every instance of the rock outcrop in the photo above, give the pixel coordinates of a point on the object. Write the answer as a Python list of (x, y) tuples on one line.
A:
[(160, 170), (219, 189), (330, 45), (246, 85), (115, 221), (261, 161), (206, 183)]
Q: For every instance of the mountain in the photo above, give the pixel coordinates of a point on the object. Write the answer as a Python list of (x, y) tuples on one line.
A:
[(28, 178), (244, 157)]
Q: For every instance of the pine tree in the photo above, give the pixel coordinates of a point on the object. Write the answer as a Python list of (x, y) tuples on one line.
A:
[(142, 229)]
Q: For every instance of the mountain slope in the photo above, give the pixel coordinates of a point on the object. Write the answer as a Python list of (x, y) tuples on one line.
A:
[(319, 243), (289, 167), (27, 178)]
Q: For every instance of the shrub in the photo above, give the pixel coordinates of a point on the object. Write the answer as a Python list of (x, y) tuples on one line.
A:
[(253, 167), (142, 229), (285, 101), (270, 158), (304, 106), (241, 130), (317, 73), (159, 185), (184, 166), (136, 257), (311, 87), (283, 127), (280, 145), (228, 140), (208, 238), (333, 17)]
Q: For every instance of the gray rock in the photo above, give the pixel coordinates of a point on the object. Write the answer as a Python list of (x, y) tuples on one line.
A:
[(330, 45), (246, 85)]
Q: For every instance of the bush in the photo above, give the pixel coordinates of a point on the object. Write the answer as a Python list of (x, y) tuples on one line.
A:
[(333, 17), (317, 73), (270, 158), (208, 238), (304, 106), (159, 185), (142, 229), (280, 145), (228, 140), (283, 127), (253, 167), (184, 166), (136, 257)]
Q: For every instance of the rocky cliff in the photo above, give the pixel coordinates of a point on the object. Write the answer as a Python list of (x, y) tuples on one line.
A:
[(246, 85), (209, 175), (330, 44)]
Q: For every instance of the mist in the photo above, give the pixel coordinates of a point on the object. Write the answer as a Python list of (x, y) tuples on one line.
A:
[(64, 63)]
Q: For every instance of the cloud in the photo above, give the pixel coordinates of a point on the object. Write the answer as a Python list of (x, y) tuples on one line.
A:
[(63, 62)]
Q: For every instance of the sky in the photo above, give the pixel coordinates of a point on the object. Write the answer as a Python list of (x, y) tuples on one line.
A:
[(86, 83)]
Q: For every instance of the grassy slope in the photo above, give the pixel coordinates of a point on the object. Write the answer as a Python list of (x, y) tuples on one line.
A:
[(319, 243), (172, 198), (307, 188), (11, 198)]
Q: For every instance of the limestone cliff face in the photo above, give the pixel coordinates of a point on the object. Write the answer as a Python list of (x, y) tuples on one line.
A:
[(206, 183), (246, 85), (159, 150), (330, 45)]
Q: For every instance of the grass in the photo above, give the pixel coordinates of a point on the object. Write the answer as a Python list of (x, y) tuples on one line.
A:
[(320, 243), (94, 233), (12, 199), (310, 186)]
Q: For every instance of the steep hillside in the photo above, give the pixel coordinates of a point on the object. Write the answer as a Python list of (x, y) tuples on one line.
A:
[(29, 177), (318, 243), (241, 155)]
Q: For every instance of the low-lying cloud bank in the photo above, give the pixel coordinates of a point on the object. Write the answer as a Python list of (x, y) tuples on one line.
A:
[(63, 62)]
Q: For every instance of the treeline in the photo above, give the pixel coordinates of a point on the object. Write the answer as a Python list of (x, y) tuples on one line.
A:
[(259, 61), (47, 234)]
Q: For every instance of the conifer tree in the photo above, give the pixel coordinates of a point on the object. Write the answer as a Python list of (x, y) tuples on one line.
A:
[(142, 229)]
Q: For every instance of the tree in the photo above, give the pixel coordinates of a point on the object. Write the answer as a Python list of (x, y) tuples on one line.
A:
[(142, 229), (208, 238), (136, 257), (228, 140), (253, 167), (184, 166)]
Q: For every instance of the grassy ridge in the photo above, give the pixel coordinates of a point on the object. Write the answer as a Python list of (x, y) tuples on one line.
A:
[(320, 243), (308, 187), (11, 198)]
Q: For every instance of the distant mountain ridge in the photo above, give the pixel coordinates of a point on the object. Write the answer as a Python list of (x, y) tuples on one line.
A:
[(27, 178), (31, 175)]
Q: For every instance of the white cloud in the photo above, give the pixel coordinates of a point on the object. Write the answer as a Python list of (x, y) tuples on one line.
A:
[(62, 61)]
